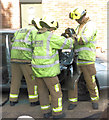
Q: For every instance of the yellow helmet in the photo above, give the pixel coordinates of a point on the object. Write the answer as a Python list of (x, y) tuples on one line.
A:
[(49, 22), (36, 23), (77, 13)]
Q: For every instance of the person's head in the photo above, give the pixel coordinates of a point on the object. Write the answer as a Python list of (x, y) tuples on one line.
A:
[(78, 14), (49, 23)]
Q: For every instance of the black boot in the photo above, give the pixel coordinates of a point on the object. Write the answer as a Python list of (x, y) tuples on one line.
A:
[(95, 105), (48, 115), (13, 103), (59, 116), (34, 103)]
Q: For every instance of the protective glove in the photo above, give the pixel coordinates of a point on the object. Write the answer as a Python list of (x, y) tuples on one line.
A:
[(70, 31), (65, 35)]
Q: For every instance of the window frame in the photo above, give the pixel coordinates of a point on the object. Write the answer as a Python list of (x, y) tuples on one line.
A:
[(27, 2)]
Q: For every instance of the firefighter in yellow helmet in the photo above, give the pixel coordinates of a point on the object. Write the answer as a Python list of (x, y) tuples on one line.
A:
[(86, 48), (45, 64), (21, 55)]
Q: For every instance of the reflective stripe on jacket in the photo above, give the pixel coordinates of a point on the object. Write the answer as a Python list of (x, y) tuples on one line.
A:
[(45, 59), (87, 51), (22, 43)]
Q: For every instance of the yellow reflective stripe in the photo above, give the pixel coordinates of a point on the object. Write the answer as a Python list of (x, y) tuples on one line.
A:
[(96, 90), (35, 90), (93, 78), (45, 107), (33, 96), (57, 87), (73, 99), (59, 102), (84, 63), (13, 96), (58, 109), (97, 94), (94, 98)]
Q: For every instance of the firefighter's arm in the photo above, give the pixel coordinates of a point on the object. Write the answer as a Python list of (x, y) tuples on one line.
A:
[(87, 34), (60, 42)]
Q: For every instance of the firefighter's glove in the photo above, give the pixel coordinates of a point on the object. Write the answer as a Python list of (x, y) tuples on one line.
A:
[(70, 31), (65, 35)]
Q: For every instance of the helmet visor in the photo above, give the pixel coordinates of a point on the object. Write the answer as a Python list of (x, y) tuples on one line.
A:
[(43, 24), (52, 25)]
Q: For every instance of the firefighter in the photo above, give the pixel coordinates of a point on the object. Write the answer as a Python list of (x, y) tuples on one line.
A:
[(21, 55), (86, 49), (45, 64)]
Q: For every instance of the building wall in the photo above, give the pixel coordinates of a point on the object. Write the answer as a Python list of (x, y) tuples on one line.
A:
[(97, 9), (10, 14)]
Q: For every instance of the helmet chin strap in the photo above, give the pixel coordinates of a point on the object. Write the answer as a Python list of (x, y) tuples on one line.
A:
[(86, 20), (83, 20)]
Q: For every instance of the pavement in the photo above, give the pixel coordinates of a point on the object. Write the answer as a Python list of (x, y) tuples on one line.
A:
[(82, 111)]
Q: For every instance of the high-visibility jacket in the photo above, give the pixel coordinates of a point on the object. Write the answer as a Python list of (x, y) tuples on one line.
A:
[(22, 44), (88, 33), (45, 59)]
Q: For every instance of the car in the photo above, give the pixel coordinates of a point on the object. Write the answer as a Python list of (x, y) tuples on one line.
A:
[(67, 69), (5, 69), (102, 74)]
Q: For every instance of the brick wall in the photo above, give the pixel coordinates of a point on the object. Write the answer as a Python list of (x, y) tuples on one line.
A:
[(60, 9), (10, 14), (97, 10)]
